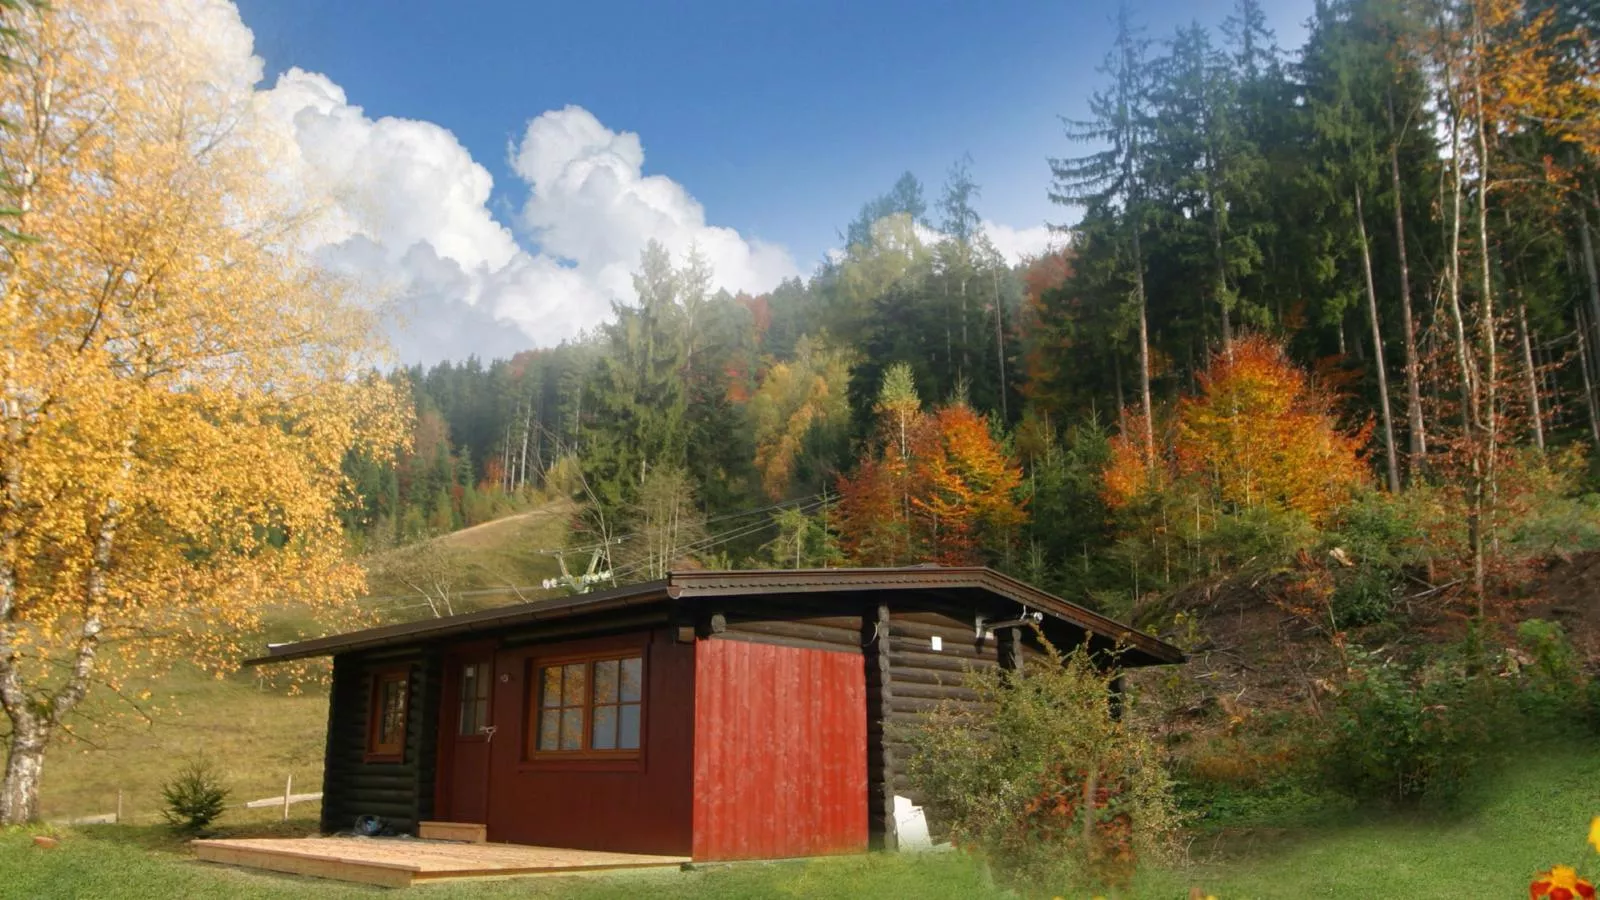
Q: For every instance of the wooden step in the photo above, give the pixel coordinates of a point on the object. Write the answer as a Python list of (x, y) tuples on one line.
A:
[(470, 832)]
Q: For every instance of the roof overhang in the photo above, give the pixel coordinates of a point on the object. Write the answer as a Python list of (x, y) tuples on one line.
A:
[(734, 584)]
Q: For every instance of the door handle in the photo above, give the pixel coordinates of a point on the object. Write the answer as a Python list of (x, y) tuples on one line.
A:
[(488, 733)]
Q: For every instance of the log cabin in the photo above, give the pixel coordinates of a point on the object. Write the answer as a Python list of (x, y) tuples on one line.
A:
[(716, 715)]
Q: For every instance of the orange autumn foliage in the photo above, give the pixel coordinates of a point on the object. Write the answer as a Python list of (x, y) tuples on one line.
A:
[(1259, 433), (965, 486), (951, 498)]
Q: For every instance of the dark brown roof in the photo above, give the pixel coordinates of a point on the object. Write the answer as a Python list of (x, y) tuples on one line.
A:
[(740, 583)]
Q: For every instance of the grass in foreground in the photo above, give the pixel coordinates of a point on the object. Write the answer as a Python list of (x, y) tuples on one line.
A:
[(124, 863), (1533, 817)]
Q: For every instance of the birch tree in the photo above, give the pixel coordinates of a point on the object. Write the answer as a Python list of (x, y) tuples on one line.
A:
[(178, 386)]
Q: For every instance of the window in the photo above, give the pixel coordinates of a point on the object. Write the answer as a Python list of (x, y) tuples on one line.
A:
[(386, 731), (474, 710), (590, 707)]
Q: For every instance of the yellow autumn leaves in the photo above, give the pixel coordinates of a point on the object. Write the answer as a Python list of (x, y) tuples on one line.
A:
[(178, 383)]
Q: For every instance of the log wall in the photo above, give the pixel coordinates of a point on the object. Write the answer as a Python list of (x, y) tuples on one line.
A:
[(401, 793)]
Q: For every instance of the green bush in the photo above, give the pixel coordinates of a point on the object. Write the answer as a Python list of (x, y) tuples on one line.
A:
[(1258, 538), (1556, 695), (1380, 536), (1405, 737), (194, 797), (1419, 735), (1043, 779)]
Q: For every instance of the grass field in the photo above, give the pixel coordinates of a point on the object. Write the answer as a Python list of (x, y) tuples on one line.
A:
[(494, 555), (255, 737), (1528, 820)]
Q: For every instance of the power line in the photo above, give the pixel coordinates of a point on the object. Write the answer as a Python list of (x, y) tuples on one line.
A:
[(808, 502), (715, 540)]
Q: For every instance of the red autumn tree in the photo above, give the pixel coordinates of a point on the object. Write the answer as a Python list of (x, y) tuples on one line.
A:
[(873, 527)]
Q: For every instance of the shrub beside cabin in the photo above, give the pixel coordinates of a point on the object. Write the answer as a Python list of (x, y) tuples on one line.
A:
[(717, 715)]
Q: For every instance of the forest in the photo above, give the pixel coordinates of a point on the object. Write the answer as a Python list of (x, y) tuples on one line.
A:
[(1309, 388), (1303, 285)]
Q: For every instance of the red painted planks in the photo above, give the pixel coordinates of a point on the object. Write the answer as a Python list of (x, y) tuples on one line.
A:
[(780, 765)]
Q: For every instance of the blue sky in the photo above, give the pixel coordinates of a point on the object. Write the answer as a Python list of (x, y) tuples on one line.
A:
[(779, 117)]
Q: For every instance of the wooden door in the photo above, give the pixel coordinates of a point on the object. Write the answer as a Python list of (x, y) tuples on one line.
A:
[(466, 732)]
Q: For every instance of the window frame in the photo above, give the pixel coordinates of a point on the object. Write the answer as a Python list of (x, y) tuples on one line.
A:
[(586, 758), (377, 752), (484, 703)]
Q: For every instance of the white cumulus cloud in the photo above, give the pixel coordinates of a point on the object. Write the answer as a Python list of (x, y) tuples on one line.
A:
[(408, 209), (591, 205), (1018, 244), (403, 205)]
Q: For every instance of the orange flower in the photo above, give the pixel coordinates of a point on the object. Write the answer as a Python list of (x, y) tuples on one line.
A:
[(1594, 833), (1560, 883)]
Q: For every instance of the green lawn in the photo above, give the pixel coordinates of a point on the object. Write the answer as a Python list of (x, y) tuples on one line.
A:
[(1534, 817), (128, 862)]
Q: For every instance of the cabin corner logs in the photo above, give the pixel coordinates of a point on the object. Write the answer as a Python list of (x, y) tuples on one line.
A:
[(400, 793), (904, 678)]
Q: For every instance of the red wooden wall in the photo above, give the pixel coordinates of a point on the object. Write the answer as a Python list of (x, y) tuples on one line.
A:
[(780, 751)]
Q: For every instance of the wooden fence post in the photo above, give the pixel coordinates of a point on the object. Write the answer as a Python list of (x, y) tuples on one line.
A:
[(119, 806)]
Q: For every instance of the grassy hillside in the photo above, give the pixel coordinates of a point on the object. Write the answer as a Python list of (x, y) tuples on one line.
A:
[(476, 566), (259, 734), (256, 737)]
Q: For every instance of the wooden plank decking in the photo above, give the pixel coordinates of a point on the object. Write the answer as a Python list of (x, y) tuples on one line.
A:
[(395, 862)]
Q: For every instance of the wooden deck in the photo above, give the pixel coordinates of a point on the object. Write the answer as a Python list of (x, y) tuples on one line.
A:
[(398, 862)]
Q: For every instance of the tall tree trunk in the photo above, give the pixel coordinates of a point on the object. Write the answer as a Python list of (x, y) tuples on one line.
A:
[(19, 793), (507, 467), (32, 719), (1221, 276), (1586, 242), (966, 342), (1487, 326), (1000, 344), (527, 433), (1469, 395), (1548, 385), (1144, 354), (1391, 456), (1588, 383), (1533, 377), (1414, 421)]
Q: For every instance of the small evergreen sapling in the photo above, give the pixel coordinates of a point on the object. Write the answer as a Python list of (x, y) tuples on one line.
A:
[(195, 797)]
